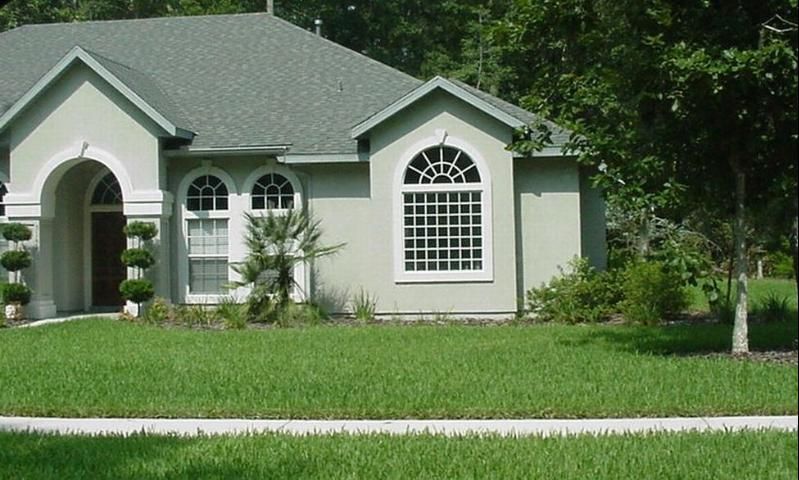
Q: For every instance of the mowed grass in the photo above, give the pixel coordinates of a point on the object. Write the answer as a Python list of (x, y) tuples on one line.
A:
[(110, 368), (759, 290), (750, 455)]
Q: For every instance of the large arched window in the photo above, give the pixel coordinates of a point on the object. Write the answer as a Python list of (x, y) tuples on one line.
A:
[(206, 213), (272, 191), (443, 216)]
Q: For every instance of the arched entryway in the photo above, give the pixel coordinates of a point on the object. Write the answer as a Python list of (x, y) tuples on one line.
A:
[(88, 239)]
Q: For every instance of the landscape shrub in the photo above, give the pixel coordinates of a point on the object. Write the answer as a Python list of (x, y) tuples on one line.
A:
[(159, 312), (651, 293), (17, 232), (16, 293), (15, 260), (301, 314), (143, 230), (137, 290), (364, 306), (232, 313), (579, 294), (196, 315), (137, 257), (782, 265), (774, 308)]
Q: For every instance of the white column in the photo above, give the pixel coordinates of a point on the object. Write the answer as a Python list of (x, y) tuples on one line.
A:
[(39, 277)]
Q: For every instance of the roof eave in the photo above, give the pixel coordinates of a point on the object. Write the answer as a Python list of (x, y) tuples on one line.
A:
[(75, 54), (423, 90)]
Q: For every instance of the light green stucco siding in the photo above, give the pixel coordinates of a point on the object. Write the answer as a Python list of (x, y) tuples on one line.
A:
[(81, 107), (547, 219), (391, 146)]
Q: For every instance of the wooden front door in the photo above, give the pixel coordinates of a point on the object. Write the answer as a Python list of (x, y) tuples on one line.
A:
[(108, 242)]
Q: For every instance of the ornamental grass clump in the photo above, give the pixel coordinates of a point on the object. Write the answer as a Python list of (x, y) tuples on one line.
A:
[(138, 289), (15, 293)]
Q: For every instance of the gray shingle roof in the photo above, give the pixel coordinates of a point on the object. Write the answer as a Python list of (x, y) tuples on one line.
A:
[(147, 89), (234, 80)]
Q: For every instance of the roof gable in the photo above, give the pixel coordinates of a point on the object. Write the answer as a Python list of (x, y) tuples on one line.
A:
[(504, 112), (134, 86), (422, 91)]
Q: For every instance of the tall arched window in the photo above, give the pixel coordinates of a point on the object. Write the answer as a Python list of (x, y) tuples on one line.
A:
[(272, 191), (443, 216), (107, 191), (207, 234)]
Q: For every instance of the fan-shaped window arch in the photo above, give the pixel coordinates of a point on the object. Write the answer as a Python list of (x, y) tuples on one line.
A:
[(441, 165), (207, 192), (107, 191), (444, 217), (272, 191)]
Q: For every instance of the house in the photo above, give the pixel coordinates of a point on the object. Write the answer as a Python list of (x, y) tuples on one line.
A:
[(190, 122)]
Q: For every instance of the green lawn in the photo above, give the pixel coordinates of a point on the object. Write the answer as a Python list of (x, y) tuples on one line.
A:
[(112, 368), (750, 455), (758, 290)]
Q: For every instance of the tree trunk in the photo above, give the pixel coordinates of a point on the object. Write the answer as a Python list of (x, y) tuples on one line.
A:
[(740, 334)]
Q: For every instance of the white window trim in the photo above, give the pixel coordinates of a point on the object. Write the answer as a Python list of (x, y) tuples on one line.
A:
[(301, 276), (232, 215), (441, 138)]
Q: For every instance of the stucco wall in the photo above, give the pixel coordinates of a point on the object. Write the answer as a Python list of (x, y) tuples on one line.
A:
[(547, 217), (391, 144), (81, 107)]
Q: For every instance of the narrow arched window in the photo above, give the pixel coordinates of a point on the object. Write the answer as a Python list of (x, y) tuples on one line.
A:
[(442, 195), (107, 191), (272, 191), (207, 193), (207, 235)]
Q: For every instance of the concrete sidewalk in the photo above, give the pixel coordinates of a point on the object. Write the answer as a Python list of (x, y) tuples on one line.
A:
[(190, 427)]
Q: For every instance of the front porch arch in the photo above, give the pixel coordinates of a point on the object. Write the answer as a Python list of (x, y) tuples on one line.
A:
[(50, 175)]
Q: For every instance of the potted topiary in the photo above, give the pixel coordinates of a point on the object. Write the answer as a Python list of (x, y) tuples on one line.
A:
[(138, 289), (15, 293)]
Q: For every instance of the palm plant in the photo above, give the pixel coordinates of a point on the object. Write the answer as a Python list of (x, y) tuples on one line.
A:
[(276, 244)]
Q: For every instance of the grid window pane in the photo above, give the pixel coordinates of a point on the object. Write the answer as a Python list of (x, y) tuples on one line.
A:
[(207, 275), (438, 246), (208, 255)]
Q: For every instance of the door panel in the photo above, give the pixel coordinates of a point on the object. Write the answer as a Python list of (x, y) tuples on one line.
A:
[(108, 242)]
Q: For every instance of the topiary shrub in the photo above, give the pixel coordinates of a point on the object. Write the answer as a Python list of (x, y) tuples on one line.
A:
[(16, 293), (144, 231), (652, 293), (15, 260), (138, 258), (17, 232), (137, 290)]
